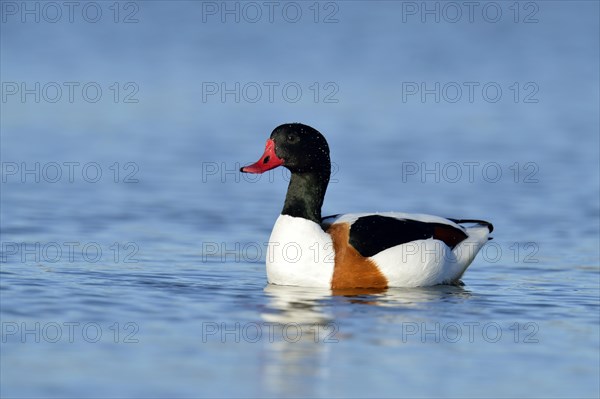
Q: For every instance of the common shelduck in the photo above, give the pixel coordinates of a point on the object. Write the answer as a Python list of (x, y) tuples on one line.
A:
[(356, 250)]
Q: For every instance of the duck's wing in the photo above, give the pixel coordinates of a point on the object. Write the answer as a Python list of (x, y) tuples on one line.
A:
[(372, 233)]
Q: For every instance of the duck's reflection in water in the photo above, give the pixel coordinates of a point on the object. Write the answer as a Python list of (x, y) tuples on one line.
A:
[(403, 297), (305, 323), (296, 362)]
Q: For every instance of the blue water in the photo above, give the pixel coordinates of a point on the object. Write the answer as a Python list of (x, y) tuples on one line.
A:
[(133, 252)]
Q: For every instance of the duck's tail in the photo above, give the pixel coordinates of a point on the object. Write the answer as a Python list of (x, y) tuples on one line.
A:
[(474, 221), (478, 233)]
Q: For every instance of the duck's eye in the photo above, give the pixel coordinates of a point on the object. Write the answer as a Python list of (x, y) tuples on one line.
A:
[(291, 138)]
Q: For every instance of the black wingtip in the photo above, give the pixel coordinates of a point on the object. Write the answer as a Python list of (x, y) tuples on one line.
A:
[(481, 222)]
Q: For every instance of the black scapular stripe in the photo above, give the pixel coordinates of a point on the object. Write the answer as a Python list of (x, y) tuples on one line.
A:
[(372, 234)]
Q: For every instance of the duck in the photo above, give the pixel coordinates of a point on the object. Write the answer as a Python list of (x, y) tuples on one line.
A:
[(354, 250)]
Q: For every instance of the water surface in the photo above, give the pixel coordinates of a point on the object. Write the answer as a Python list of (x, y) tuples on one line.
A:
[(150, 281)]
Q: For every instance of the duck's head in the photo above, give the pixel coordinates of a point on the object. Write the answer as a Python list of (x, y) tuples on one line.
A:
[(297, 147)]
